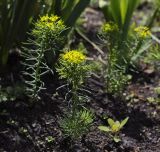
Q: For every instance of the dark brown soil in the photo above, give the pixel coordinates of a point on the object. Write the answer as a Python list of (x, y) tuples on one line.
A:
[(26, 128)]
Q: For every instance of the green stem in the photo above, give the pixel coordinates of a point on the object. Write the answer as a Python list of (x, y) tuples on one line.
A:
[(138, 46), (153, 17), (4, 56), (74, 96), (37, 74), (57, 7)]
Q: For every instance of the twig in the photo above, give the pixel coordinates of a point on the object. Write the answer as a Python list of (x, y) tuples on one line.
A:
[(89, 41), (155, 38)]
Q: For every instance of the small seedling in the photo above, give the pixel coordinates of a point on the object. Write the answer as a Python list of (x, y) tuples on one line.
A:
[(157, 90), (114, 128), (11, 93), (23, 130), (153, 100), (12, 122), (49, 139)]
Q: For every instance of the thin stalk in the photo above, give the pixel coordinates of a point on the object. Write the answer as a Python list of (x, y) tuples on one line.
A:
[(57, 7), (150, 24), (37, 73)]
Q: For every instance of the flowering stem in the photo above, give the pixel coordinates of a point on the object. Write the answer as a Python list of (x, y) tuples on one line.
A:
[(138, 46)]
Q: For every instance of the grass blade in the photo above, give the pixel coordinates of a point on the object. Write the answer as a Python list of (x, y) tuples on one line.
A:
[(76, 12)]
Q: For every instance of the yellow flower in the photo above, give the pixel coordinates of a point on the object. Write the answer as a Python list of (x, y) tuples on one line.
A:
[(50, 22), (109, 27), (142, 31), (74, 56), (50, 19)]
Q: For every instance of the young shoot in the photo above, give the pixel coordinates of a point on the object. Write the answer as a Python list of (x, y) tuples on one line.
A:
[(46, 38), (114, 128), (74, 68), (122, 54)]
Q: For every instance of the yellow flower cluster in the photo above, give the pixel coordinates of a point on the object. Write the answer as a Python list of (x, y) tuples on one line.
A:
[(50, 21), (142, 31), (74, 56), (109, 27)]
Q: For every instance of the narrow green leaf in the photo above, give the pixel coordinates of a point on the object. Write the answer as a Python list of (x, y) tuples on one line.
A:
[(104, 128), (123, 9), (76, 12), (106, 9), (111, 122), (130, 9), (116, 139), (115, 9), (141, 50), (57, 7), (14, 23), (69, 5), (124, 122)]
